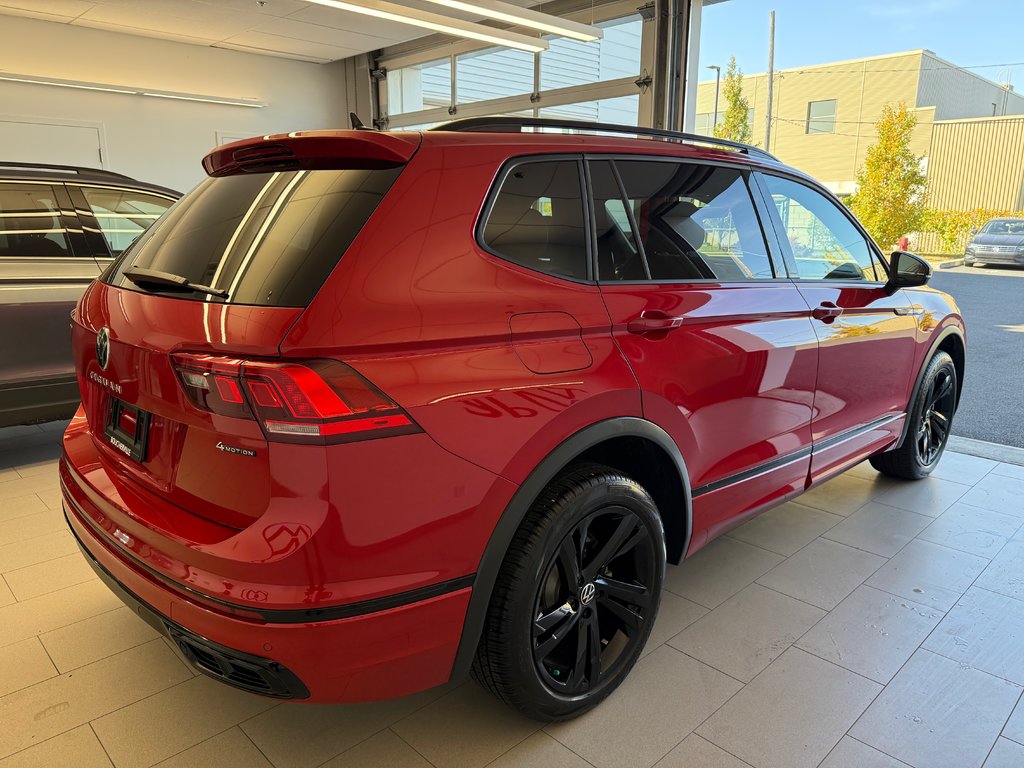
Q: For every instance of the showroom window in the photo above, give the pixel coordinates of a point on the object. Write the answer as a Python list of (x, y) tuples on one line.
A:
[(536, 219), (30, 222), (702, 124), (595, 80), (420, 86), (822, 241), (695, 222), (622, 109), (821, 116), (123, 214), (572, 62), (492, 73)]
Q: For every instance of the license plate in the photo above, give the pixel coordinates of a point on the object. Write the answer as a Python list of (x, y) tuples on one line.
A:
[(127, 429)]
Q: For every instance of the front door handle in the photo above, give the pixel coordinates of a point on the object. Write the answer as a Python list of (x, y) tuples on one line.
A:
[(654, 321), (827, 312)]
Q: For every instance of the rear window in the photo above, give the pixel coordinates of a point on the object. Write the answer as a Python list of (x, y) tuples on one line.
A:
[(123, 214), (269, 239)]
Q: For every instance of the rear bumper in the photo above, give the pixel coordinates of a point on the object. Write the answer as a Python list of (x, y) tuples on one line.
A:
[(250, 673), (378, 655)]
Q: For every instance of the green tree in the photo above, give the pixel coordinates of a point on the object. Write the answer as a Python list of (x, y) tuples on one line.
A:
[(890, 186), (734, 125)]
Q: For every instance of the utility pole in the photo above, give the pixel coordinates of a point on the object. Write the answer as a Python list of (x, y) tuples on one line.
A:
[(771, 81), (718, 79)]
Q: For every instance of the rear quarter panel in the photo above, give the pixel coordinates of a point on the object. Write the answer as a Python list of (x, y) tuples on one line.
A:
[(420, 309)]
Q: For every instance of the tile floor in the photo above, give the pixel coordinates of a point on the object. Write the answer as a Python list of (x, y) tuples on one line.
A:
[(874, 624)]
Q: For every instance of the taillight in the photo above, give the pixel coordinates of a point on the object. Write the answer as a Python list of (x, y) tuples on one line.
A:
[(212, 384), (316, 401)]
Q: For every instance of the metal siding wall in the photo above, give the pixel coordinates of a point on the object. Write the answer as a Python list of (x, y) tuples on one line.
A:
[(978, 164), (974, 164), (958, 93)]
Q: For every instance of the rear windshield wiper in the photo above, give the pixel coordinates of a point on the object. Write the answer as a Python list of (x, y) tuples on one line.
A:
[(143, 277)]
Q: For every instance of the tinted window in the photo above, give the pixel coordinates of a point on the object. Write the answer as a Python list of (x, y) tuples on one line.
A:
[(123, 214), (537, 219), (267, 238), (695, 222), (618, 254), (823, 242), (30, 222)]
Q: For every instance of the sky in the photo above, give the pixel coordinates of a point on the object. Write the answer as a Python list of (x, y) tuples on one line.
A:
[(964, 32)]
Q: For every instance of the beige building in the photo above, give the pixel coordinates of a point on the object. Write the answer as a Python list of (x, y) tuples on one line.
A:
[(823, 117)]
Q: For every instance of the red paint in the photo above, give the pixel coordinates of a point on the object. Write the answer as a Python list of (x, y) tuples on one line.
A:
[(496, 364)]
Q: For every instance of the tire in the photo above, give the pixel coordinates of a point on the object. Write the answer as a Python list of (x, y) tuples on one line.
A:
[(931, 419), (536, 652)]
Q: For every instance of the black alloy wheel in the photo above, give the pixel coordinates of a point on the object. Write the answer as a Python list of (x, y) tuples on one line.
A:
[(931, 420), (593, 601), (576, 595), (937, 409)]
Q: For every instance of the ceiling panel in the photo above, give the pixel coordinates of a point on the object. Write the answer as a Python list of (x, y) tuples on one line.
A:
[(341, 38), (269, 8), (161, 35), (290, 28), (285, 45), (70, 8), (178, 18), (332, 17)]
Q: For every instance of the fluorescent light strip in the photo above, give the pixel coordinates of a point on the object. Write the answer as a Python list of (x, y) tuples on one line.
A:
[(13, 78), (32, 81), (436, 22), (525, 17), (207, 99)]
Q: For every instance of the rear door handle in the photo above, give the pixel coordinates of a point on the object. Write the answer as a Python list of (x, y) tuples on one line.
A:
[(827, 312), (654, 321)]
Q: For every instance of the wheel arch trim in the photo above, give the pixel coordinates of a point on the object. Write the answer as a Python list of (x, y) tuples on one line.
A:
[(519, 506)]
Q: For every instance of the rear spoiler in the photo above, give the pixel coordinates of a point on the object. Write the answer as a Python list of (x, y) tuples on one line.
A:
[(312, 150)]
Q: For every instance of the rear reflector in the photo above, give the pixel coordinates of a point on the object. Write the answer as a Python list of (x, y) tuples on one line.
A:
[(317, 401)]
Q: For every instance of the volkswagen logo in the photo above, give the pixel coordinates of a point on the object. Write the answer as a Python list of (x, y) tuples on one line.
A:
[(587, 593), (103, 347)]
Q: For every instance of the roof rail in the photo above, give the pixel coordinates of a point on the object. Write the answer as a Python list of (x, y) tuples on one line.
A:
[(499, 124), (75, 169)]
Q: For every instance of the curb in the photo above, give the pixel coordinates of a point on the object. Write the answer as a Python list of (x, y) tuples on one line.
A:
[(995, 451), (951, 264)]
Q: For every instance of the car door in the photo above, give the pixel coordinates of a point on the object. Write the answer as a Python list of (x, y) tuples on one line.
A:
[(44, 267), (866, 333), (720, 341)]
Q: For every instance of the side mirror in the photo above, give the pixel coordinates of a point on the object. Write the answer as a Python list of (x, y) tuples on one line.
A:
[(907, 270)]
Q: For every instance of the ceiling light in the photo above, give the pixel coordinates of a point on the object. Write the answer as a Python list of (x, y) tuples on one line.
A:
[(83, 86), (436, 22), (207, 99), (524, 17), (87, 86)]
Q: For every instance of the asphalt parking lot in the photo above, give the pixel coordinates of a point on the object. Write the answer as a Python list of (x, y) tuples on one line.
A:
[(991, 300)]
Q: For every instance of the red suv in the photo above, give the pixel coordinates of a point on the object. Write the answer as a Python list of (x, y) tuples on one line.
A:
[(365, 412)]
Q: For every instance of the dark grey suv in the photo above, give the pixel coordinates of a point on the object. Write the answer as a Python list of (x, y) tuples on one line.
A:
[(1000, 241), (59, 228)]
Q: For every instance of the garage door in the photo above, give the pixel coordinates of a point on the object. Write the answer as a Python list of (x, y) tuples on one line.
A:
[(41, 142)]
